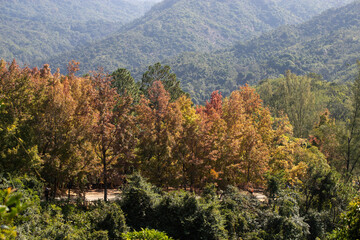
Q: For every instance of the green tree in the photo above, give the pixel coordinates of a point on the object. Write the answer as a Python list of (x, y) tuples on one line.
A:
[(163, 74), (352, 135), (294, 96), (125, 84), (350, 224), (298, 103), (285, 222), (340, 140), (138, 202)]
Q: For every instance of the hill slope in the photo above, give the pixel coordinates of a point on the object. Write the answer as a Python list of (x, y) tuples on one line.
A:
[(176, 26), (328, 44), (32, 29)]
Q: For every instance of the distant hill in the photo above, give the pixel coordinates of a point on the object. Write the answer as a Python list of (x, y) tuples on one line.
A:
[(35, 29), (328, 44), (176, 26)]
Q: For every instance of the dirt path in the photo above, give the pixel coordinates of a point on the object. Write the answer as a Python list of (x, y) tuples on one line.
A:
[(96, 194), (113, 194), (261, 197)]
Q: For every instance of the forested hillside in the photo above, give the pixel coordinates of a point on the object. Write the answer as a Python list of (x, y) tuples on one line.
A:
[(31, 30), (328, 45), (177, 26)]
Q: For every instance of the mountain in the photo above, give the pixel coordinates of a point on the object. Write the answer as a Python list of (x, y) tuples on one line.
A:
[(328, 44), (176, 26), (35, 29)]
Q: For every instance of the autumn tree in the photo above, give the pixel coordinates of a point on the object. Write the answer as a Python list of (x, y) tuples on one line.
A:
[(249, 136), (125, 135), (104, 129), (113, 130), (213, 133), (236, 138), (159, 123), (189, 151), (63, 123), (18, 151)]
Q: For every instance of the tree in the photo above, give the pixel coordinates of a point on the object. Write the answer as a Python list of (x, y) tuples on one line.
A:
[(249, 136), (18, 151), (125, 84), (298, 103), (62, 121), (163, 74), (189, 147), (45, 120), (10, 207), (159, 121), (212, 135), (325, 136), (149, 234), (350, 224), (352, 143), (294, 96), (338, 140), (109, 134)]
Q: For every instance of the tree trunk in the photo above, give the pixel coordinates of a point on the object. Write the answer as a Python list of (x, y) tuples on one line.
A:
[(348, 155), (184, 176), (105, 176), (55, 189)]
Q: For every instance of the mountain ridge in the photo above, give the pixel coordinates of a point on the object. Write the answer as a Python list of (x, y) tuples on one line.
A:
[(31, 30), (327, 44), (175, 26)]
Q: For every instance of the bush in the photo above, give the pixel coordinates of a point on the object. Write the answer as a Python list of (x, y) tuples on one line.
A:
[(180, 214), (146, 234), (108, 217), (183, 216), (99, 235), (241, 214), (138, 202), (48, 222), (285, 223), (10, 207)]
